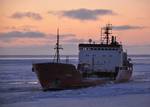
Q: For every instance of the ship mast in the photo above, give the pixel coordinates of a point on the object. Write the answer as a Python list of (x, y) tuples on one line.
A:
[(57, 48), (107, 31)]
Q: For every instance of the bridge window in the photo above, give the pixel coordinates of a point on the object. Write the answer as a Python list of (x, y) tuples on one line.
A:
[(87, 54), (95, 48), (81, 48)]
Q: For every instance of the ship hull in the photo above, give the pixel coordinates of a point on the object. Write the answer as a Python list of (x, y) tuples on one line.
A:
[(123, 76), (55, 76), (58, 76)]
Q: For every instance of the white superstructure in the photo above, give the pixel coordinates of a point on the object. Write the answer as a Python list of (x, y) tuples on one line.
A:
[(107, 56), (100, 57)]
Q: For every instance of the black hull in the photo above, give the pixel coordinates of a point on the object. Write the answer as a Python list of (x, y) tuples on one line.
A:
[(120, 76), (111, 75), (58, 76)]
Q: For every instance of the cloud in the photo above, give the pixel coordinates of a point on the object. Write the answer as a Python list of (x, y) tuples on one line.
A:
[(74, 40), (67, 38), (32, 38), (84, 14), (33, 34), (67, 35), (20, 28), (21, 39), (21, 15), (17, 34), (62, 37), (127, 27)]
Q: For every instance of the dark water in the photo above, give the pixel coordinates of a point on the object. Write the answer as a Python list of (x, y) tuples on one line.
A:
[(19, 84)]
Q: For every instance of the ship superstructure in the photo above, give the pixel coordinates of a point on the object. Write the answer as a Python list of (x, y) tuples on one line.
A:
[(105, 58)]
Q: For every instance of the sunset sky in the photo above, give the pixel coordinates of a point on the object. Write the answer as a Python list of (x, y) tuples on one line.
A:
[(28, 27)]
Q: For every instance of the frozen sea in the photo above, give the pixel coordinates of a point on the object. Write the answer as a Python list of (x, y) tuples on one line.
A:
[(19, 85)]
